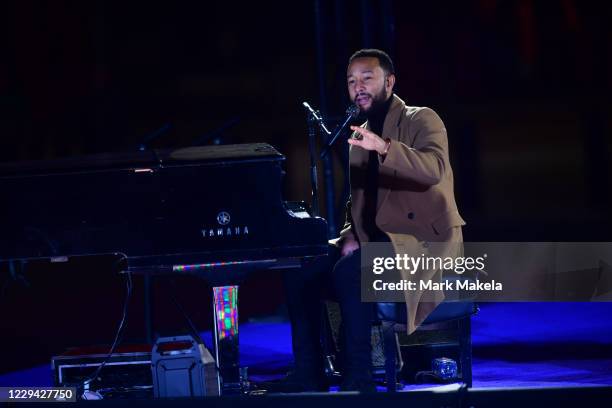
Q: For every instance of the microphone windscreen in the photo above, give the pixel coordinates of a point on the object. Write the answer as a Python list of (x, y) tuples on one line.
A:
[(352, 111)]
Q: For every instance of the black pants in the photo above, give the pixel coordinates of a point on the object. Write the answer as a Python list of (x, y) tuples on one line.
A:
[(340, 277)]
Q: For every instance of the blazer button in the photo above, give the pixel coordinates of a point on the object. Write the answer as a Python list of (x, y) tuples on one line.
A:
[(411, 216)]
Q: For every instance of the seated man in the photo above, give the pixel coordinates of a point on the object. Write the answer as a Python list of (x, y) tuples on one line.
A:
[(409, 146)]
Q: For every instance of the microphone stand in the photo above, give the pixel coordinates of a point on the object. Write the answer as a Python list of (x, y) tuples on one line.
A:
[(351, 113), (144, 145), (217, 134), (314, 119)]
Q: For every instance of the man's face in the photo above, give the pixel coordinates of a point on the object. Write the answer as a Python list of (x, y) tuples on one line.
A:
[(368, 86)]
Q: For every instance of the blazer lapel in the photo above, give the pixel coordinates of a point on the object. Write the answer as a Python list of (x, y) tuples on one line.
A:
[(390, 130)]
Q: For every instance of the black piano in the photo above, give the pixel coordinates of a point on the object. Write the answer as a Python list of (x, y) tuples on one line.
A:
[(213, 211)]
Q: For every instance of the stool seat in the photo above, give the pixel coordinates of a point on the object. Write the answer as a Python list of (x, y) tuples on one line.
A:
[(451, 310), (457, 304)]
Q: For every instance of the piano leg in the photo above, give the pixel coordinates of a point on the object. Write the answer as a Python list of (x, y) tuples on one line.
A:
[(225, 303)]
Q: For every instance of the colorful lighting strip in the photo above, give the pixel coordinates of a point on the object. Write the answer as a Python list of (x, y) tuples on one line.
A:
[(195, 267), (226, 311)]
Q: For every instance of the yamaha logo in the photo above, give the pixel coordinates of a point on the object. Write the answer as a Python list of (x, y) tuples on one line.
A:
[(223, 218), (224, 229)]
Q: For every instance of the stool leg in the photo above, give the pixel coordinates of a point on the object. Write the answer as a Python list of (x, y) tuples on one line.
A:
[(465, 350), (390, 345)]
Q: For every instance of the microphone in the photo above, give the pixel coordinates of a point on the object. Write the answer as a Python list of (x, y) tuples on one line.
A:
[(351, 113)]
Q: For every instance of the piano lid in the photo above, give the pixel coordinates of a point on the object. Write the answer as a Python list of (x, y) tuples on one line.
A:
[(218, 154), (151, 158), (184, 206), (93, 162)]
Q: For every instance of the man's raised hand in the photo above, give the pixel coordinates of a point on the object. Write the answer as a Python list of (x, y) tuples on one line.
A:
[(369, 140)]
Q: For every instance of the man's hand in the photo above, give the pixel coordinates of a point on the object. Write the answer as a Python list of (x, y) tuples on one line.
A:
[(348, 246), (369, 141)]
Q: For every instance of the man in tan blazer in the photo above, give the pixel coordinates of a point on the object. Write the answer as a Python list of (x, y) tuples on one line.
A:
[(401, 192), (415, 199)]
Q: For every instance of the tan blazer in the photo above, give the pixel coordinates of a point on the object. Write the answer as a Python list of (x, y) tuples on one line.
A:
[(416, 201)]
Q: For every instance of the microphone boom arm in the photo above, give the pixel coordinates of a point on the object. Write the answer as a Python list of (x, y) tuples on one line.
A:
[(351, 113)]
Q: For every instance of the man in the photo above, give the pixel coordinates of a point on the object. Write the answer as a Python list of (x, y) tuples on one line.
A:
[(402, 192)]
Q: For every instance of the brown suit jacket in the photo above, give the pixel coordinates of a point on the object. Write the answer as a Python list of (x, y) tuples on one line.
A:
[(416, 201)]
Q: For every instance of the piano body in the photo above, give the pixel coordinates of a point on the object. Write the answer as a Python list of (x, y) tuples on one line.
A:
[(213, 211)]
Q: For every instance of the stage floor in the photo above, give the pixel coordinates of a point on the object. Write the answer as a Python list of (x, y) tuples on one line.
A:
[(514, 345)]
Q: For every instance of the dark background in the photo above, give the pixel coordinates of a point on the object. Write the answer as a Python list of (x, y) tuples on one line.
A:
[(523, 88)]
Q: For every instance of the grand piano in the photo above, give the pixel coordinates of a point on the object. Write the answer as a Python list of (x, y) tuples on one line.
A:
[(213, 211)]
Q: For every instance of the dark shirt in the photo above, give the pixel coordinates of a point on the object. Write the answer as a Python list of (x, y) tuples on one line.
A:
[(376, 120)]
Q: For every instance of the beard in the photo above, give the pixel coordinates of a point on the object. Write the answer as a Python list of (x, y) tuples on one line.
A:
[(378, 102)]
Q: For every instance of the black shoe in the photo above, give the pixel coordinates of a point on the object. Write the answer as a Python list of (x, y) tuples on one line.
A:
[(365, 386), (296, 382)]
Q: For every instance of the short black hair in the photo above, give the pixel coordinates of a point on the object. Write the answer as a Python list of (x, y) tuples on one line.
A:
[(383, 58)]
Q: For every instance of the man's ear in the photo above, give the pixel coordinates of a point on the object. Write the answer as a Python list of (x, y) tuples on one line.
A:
[(390, 82)]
